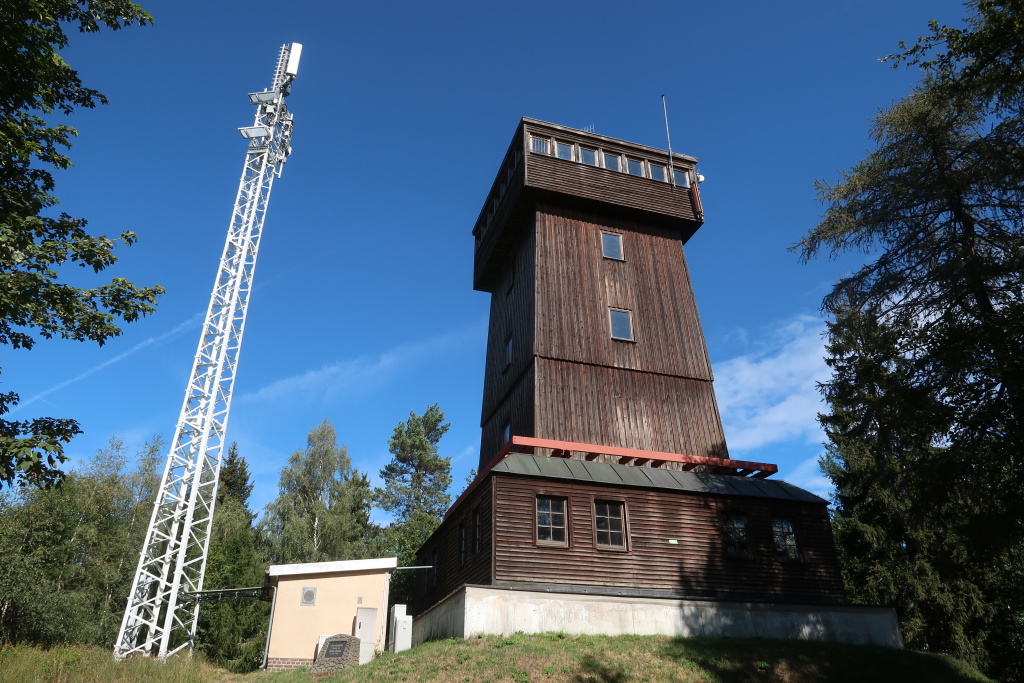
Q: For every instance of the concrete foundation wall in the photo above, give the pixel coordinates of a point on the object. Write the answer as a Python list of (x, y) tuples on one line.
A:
[(475, 610)]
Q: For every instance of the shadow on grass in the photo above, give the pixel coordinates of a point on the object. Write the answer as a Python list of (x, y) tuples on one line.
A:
[(736, 660), (593, 671)]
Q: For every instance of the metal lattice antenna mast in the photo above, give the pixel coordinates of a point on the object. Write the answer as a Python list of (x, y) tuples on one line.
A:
[(158, 619)]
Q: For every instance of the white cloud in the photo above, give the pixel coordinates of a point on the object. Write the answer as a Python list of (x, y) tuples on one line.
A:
[(356, 374), (769, 395), (807, 475), (174, 332)]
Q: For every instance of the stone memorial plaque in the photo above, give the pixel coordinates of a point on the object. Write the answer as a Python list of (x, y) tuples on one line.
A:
[(337, 653)]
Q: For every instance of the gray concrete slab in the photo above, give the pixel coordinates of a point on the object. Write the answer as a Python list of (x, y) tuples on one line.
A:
[(493, 610)]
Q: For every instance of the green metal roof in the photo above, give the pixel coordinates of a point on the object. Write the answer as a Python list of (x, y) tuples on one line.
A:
[(649, 477)]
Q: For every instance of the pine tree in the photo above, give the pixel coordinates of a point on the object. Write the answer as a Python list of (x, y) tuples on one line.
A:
[(415, 491)]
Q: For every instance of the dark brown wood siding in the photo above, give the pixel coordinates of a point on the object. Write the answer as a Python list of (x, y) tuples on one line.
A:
[(576, 287), (516, 409), (696, 565), (512, 315), (434, 584), (615, 407)]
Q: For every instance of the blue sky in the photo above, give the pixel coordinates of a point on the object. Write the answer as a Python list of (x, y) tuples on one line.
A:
[(363, 308)]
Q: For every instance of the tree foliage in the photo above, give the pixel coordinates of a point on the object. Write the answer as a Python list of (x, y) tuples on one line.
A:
[(415, 491), (322, 512), (926, 399), (35, 84), (69, 552), (233, 633)]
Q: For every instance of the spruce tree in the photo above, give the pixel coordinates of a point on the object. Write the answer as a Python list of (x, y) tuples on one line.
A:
[(926, 404)]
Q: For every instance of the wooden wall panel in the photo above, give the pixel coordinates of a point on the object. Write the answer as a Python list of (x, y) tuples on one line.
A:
[(515, 409), (696, 565), (614, 407), (450, 573), (576, 286), (512, 314)]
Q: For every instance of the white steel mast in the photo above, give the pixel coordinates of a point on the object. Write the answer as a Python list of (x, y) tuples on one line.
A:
[(157, 619)]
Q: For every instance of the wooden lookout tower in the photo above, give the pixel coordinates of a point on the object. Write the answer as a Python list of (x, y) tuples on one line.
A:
[(605, 488)]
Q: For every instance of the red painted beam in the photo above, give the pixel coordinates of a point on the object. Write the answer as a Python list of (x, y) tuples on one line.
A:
[(592, 450), (565, 449)]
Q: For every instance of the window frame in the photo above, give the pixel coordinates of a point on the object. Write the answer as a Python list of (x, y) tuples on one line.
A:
[(509, 350), (618, 161), (564, 500), (597, 156), (643, 168), (625, 547), (726, 523), (604, 250), (664, 172), (611, 324), (540, 138), (562, 144), (783, 555)]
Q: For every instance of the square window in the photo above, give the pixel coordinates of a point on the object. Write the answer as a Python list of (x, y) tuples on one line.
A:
[(682, 179), (540, 145), (611, 245), (588, 156), (635, 167), (551, 527), (734, 536), (612, 161), (658, 173), (563, 150), (622, 324), (609, 524), (785, 540)]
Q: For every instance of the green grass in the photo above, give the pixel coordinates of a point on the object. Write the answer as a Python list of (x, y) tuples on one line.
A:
[(548, 658)]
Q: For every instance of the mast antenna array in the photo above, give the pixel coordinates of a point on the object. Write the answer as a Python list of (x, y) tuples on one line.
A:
[(158, 619)]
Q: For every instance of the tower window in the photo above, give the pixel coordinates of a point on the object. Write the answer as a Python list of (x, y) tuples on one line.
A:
[(588, 156), (563, 150), (611, 245), (785, 540), (622, 324), (682, 179), (609, 524), (551, 526), (734, 536), (612, 162), (635, 167), (658, 172), (539, 145)]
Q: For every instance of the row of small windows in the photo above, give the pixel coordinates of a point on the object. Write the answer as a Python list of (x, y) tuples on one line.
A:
[(602, 158), (610, 529)]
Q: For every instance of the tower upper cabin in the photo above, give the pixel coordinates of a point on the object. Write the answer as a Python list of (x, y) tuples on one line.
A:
[(548, 162), (594, 336)]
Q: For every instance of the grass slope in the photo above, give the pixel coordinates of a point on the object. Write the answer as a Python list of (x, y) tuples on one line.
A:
[(548, 658)]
